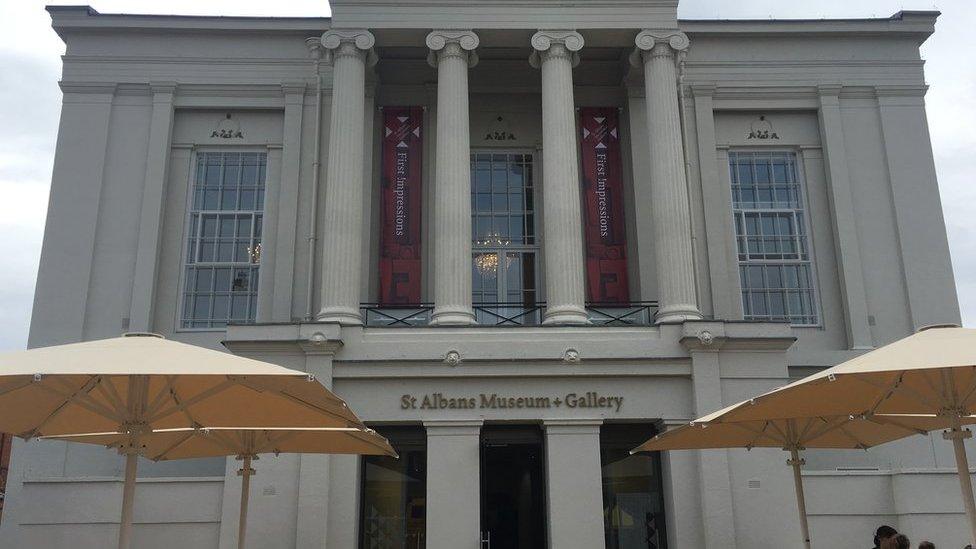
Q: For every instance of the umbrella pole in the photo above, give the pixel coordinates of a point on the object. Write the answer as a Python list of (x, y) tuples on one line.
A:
[(796, 462), (128, 495), (958, 436), (245, 473)]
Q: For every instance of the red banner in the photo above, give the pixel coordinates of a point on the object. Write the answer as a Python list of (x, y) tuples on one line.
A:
[(400, 199), (603, 210)]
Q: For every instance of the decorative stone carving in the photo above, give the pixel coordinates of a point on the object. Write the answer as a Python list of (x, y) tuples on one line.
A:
[(556, 42), (571, 356), (228, 128), (357, 42), (452, 358), (647, 39), (706, 338), (461, 43)]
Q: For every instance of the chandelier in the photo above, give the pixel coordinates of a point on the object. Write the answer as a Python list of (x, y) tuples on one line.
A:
[(487, 263)]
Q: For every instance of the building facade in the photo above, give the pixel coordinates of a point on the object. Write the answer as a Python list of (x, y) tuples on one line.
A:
[(519, 237)]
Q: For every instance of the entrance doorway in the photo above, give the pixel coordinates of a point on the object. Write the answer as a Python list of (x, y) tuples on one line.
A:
[(513, 488)]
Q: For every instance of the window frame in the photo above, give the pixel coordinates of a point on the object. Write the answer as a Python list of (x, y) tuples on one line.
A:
[(501, 251), (188, 216), (803, 195)]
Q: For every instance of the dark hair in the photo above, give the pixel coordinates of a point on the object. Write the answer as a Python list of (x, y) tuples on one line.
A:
[(884, 531), (926, 545), (901, 542)]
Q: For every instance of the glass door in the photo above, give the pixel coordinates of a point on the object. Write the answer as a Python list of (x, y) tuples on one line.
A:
[(504, 243)]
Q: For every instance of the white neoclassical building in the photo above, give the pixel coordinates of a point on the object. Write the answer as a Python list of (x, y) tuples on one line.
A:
[(519, 237)]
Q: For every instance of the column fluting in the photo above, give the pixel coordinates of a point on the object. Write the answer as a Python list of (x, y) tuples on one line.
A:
[(671, 223), (556, 55), (350, 51), (452, 53)]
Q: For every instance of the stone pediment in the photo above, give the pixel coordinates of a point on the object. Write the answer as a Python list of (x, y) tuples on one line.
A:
[(505, 14)]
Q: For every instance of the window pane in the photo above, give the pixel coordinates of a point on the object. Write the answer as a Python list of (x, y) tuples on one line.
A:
[(220, 245), (633, 490), (394, 492), (773, 250)]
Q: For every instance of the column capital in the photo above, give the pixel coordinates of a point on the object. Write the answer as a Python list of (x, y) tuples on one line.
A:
[(453, 43), (548, 44), (352, 42), (653, 43)]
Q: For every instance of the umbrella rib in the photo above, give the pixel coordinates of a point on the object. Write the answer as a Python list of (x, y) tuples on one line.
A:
[(272, 442), (90, 403), (116, 404), (68, 399), (110, 387), (760, 433), (886, 393), (365, 437), (174, 446), (326, 411), (969, 392), (913, 393), (847, 433), (228, 446), (338, 408), (887, 420), (944, 391), (784, 437), (160, 399), (16, 386), (807, 428), (180, 406), (828, 426)]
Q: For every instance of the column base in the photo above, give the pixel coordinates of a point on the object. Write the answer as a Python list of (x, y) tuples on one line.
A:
[(452, 316), (675, 314), (345, 316), (571, 315)]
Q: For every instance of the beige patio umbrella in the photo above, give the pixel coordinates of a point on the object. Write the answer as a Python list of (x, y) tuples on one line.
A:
[(715, 431), (246, 445), (141, 382), (930, 372)]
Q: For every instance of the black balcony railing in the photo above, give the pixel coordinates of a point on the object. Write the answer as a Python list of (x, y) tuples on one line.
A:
[(510, 314)]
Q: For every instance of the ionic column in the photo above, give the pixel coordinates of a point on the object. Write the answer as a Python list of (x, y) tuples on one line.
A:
[(341, 259), (452, 53), (671, 221), (555, 53)]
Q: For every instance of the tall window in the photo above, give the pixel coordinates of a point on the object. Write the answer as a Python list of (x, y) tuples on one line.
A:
[(771, 237), (504, 240), (394, 493), (224, 239), (633, 490)]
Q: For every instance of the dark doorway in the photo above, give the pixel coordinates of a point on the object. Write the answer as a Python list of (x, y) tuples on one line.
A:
[(513, 488)]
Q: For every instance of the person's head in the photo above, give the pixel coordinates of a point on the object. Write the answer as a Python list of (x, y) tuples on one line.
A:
[(926, 545), (898, 541), (882, 533)]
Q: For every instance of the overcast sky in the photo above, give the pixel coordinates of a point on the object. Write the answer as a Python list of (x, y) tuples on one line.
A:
[(30, 105)]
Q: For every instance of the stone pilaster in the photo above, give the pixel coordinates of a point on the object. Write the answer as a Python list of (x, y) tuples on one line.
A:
[(350, 51), (556, 55), (671, 221), (452, 53), (574, 484), (454, 485)]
